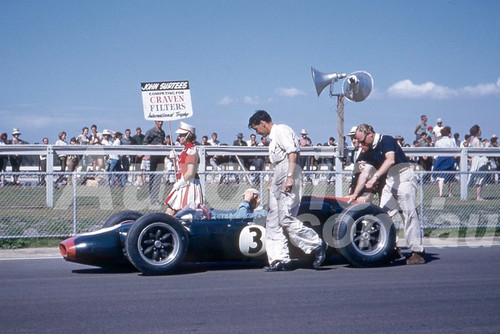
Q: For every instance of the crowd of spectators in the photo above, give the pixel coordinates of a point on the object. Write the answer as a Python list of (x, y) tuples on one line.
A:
[(426, 135)]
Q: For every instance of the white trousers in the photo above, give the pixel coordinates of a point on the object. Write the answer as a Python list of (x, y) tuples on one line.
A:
[(400, 193), (281, 218)]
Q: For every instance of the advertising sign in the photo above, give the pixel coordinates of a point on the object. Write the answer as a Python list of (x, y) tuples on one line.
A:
[(166, 101)]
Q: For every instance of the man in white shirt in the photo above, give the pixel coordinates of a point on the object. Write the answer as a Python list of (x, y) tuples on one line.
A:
[(284, 200), (437, 129)]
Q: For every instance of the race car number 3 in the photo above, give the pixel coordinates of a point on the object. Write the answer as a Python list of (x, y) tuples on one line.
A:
[(252, 240)]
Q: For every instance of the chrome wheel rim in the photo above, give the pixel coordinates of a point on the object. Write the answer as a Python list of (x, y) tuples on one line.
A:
[(369, 235), (158, 244)]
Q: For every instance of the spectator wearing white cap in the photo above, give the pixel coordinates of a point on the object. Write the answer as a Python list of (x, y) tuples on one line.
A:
[(16, 160), (187, 188), (436, 130)]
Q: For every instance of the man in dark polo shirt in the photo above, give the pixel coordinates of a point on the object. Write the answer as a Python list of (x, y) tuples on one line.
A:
[(400, 189), (155, 136)]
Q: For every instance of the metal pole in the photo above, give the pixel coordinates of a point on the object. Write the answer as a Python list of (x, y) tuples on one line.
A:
[(340, 148), (75, 203), (49, 180), (464, 177), (340, 123)]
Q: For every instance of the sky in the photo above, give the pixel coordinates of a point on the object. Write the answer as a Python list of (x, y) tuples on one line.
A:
[(66, 64)]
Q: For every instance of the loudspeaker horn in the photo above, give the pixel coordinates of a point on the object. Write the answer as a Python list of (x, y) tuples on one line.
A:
[(321, 80), (357, 86)]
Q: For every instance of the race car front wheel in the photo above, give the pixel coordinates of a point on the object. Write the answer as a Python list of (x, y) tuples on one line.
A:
[(156, 244), (364, 235), (121, 217)]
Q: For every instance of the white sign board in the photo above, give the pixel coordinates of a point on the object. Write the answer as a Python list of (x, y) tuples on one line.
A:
[(166, 101)]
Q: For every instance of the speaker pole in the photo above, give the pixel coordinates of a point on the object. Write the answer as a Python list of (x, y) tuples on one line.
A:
[(340, 123), (340, 147), (356, 88)]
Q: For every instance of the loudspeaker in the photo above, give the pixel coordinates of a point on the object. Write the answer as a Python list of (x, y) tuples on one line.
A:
[(321, 80), (357, 86)]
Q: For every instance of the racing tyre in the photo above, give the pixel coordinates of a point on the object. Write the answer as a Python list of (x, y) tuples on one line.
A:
[(364, 235), (156, 244), (121, 217)]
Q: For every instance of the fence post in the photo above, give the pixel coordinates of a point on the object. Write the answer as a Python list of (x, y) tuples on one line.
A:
[(463, 174), (49, 180), (421, 182)]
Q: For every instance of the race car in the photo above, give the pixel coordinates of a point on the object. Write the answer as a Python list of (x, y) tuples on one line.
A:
[(158, 244)]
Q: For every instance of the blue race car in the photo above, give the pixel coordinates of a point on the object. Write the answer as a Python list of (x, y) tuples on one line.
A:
[(157, 244)]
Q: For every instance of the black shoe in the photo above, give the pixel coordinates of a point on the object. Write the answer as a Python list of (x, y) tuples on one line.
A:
[(396, 255), (278, 266), (319, 255)]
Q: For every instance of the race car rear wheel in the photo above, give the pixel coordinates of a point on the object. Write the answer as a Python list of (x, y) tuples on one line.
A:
[(364, 235), (121, 217), (156, 244)]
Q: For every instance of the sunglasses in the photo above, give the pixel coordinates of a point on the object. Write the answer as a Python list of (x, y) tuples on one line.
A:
[(363, 142)]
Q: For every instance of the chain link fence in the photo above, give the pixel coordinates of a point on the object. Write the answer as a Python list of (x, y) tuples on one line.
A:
[(82, 201)]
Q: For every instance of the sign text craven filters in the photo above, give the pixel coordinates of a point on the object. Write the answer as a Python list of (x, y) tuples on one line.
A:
[(166, 101)]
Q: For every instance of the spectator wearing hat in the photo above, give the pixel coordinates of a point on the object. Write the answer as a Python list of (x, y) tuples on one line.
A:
[(16, 160), (187, 189), (4, 159), (353, 157), (305, 141), (239, 140), (437, 129)]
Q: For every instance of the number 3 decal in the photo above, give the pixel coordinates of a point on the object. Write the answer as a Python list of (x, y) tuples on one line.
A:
[(252, 239)]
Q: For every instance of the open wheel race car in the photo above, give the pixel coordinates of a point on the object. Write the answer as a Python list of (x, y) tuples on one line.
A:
[(158, 244)]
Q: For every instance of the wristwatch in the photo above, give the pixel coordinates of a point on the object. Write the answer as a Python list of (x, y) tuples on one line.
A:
[(289, 174)]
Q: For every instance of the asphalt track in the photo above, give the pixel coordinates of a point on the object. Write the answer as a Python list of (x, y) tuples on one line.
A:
[(457, 291)]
